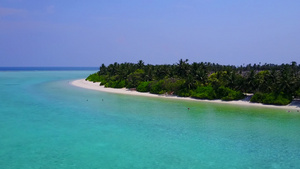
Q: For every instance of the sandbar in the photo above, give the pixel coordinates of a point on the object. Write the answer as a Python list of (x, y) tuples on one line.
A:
[(295, 105)]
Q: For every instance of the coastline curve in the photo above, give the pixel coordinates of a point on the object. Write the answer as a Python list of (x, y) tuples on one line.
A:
[(96, 86)]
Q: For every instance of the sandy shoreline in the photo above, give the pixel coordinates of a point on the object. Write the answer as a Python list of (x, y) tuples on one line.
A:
[(95, 86)]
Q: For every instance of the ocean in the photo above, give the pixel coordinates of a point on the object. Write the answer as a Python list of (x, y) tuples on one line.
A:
[(47, 123)]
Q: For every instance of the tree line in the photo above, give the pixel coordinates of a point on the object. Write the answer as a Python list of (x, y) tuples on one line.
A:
[(270, 83)]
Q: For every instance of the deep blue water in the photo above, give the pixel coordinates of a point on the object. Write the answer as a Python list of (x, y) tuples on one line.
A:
[(46, 68), (47, 123)]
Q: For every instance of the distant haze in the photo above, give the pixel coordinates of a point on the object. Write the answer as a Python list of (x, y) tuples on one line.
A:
[(89, 33)]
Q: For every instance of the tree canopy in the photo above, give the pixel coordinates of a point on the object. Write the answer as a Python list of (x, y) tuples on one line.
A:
[(270, 83)]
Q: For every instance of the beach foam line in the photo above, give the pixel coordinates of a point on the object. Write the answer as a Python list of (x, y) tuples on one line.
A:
[(96, 86)]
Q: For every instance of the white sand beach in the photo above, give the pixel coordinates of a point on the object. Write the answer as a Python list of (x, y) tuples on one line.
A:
[(295, 105)]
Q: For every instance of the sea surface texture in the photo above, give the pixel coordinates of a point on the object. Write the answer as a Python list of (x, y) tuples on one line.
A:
[(46, 123)]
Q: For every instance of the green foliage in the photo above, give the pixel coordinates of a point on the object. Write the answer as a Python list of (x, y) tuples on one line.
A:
[(272, 84), (222, 91), (135, 78), (227, 94), (93, 77), (218, 79), (156, 87), (103, 80), (143, 87), (184, 93), (172, 84), (271, 98), (233, 95), (204, 92), (165, 85), (297, 93), (257, 98), (111, 84), (121, 84), (115, 84)]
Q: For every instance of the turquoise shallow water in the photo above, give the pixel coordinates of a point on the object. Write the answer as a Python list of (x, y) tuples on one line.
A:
[(47, 123)]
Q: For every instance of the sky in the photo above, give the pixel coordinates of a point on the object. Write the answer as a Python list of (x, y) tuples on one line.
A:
[(89, 33)]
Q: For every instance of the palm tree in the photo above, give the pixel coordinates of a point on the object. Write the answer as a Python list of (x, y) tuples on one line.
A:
[(182, 68), (140, 64), (102, 70)]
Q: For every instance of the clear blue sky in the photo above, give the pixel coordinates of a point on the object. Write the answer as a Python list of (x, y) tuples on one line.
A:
[(89, 33)]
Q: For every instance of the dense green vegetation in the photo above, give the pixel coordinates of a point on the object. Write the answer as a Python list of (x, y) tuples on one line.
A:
[(270, 83)]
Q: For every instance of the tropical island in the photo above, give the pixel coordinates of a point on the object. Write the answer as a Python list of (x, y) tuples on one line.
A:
[(269, 83)]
